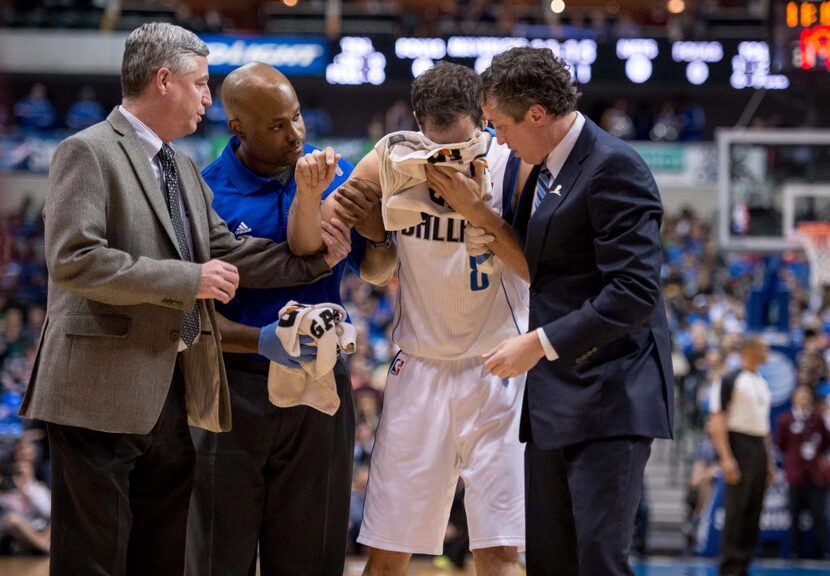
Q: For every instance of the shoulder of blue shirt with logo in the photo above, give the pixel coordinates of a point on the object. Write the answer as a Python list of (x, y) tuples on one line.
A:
[(229, 179)]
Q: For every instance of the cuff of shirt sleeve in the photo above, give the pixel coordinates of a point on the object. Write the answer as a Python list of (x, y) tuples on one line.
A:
[(550, 352), (318, 267)]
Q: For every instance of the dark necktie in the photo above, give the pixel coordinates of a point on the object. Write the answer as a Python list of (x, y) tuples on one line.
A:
[(166, 156), (542, 186)]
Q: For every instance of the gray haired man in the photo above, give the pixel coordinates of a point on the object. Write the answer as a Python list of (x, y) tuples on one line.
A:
[(129, 351)]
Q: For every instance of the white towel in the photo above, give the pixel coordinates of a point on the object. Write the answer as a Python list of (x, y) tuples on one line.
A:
[(313, 383), (403, 157)]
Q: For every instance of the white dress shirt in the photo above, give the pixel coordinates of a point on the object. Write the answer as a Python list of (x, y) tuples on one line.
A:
[(151, 144), (554, 162)]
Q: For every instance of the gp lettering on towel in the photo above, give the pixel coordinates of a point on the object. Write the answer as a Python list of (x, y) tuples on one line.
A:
[(330, 318)]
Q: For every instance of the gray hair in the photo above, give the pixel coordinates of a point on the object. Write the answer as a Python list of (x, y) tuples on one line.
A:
[(156, 45)]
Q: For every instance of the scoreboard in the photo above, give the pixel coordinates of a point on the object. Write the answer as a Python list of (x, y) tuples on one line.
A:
[(739, 64), (801, 29)]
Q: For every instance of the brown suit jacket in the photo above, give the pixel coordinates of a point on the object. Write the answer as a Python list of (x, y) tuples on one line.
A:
[(118, 288)]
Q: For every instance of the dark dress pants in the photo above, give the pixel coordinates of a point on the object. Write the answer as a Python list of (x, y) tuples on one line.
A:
[(119, 501), (743, 503), (581, 503), (279, 481)]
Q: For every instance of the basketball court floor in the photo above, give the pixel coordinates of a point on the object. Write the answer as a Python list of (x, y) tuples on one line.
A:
[(425, 567)]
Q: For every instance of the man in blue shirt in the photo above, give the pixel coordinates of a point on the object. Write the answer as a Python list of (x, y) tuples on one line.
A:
[(280, 480), (87, 110), (35, 111)]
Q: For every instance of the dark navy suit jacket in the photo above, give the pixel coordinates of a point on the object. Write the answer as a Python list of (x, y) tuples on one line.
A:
[(594, 255)]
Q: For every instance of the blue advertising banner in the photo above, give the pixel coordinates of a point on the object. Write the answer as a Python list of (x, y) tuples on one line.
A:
[(294, 56), (775, 522)]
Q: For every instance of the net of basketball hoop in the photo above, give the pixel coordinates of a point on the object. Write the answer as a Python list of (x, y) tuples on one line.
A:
[(815, 240)]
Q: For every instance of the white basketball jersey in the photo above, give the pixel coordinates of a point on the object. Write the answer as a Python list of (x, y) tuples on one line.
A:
[(445, 307)]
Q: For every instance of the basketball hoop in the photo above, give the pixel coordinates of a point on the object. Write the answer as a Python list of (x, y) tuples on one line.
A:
[(815, 239)]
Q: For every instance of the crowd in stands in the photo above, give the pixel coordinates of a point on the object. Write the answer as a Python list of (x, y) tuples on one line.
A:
[(673, 120), (668, 121), (705, 292), (35, 114), (712, 299), (411, 18), (24, 473)]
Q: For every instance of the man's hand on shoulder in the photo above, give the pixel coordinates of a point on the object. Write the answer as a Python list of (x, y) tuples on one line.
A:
[(314, 172), (218, 281)]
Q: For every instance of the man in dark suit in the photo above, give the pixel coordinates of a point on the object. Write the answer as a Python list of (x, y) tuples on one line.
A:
[(129, 352), (599, 387)]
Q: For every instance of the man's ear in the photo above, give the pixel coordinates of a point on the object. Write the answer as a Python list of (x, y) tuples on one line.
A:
[(161, 80), (536, 113), (236, 127)]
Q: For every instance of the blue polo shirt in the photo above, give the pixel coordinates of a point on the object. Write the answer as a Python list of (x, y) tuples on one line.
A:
[(256, 206)]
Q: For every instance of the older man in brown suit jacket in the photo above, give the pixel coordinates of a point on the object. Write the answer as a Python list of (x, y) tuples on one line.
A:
[(129, 351)]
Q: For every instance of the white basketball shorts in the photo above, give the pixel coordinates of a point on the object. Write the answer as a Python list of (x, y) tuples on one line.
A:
[(442, 419)]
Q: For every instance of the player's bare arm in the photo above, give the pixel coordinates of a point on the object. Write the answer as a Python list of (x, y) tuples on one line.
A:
[(462, 193), (358, 203), (313, 174), (367, 173)]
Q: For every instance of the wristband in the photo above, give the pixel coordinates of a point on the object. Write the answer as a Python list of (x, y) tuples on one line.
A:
[(385, 243)]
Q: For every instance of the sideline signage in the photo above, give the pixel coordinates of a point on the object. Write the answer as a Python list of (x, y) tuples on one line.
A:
[(294, 56)]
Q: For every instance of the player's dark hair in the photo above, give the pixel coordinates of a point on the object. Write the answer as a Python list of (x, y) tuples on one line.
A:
[(445, 93)]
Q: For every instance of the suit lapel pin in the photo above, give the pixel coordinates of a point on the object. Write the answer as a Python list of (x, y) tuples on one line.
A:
[(557, 190)]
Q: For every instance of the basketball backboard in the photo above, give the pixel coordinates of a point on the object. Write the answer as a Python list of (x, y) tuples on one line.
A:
[(769, 180)]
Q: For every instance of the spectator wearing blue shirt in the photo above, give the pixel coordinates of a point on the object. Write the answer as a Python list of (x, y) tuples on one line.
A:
[(86, 111), (280, 480), (35, 111)]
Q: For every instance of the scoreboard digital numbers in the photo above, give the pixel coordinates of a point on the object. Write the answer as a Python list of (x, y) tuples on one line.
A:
[(741, 64), (802, 32)]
